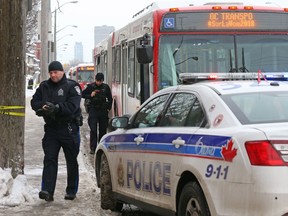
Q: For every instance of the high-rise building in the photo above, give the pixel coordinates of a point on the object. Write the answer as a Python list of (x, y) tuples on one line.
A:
[(78, 52), (101, 32)]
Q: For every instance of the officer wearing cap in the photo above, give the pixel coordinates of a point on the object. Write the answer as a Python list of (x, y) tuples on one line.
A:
[(100, 96), (57, 100)]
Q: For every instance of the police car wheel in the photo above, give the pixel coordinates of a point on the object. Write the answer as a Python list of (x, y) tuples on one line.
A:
[(192, 201), (107, 198)]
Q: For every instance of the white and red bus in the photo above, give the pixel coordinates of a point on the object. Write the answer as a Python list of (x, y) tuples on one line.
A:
[(201, 40), (83, 74)]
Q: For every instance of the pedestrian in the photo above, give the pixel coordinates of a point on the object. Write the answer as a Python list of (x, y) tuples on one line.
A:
[(57, 100), (100, 97)]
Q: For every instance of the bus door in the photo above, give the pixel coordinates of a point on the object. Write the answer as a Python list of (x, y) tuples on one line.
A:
[(133, 80)]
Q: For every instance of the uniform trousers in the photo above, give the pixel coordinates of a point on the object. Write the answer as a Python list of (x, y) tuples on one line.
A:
[(97, 116), (66, 136)]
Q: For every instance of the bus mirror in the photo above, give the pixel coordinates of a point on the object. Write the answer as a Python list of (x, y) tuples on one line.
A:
[(144, 54)]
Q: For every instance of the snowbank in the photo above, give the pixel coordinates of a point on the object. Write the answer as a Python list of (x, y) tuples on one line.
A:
[(14, 192)]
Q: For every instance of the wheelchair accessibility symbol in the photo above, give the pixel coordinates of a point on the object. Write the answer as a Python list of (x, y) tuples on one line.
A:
[(169, 23)]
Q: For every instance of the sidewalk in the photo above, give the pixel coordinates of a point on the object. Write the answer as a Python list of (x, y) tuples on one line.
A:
[(87, 201)]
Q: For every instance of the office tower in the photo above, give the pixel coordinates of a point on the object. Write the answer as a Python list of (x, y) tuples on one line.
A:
[(101, 32), (78, 52)]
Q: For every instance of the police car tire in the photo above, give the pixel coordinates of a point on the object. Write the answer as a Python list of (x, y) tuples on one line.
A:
[(193, 199), (107, 198)]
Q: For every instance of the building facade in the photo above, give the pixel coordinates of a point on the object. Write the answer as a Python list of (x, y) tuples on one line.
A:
[(78, 52), (101, 32)]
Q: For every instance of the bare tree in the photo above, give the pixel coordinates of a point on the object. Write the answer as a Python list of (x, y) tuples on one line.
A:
[(12, 88), (32, 26)]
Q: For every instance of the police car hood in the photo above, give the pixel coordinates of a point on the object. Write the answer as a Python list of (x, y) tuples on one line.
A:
[(275, 131)]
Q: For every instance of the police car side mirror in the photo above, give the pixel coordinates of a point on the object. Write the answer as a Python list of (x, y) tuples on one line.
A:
[(120, 122)]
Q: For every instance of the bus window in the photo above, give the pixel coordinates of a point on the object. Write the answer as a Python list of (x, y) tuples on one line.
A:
[(124, 63), (116, 64), (131, 69)]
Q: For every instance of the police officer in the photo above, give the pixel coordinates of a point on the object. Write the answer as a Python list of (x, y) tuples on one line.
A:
[(57, 100), (100, 98)]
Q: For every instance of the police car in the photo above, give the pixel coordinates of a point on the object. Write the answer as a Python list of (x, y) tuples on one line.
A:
[(210, 148)]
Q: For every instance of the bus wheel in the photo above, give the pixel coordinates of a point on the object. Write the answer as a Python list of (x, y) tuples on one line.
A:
[(107, 198), (192, 201)]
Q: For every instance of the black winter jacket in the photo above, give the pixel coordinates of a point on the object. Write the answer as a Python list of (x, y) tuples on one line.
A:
[(102, 99), (66, 93)]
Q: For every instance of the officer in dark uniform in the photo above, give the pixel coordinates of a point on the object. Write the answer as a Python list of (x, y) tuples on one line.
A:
[(57, 100), (100, 98)]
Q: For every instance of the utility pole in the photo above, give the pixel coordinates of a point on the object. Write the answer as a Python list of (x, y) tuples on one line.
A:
[(45, 8), (12, 88)]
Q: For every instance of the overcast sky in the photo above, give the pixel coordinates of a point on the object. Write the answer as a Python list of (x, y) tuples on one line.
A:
[(89, 13)]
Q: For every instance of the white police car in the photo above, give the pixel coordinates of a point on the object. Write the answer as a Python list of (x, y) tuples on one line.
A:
[(211, 148)]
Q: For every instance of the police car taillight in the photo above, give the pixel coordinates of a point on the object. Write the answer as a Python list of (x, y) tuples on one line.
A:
[(282, 148), (264, 153)]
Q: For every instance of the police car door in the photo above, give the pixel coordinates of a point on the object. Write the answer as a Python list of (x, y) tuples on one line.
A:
[(132, 157), (165, 145)]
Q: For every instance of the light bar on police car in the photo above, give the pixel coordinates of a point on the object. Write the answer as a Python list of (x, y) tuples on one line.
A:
[(186, 77), (194, 77)]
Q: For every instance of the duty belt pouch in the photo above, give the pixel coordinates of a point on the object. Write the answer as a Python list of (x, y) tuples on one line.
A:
[(79, 120)]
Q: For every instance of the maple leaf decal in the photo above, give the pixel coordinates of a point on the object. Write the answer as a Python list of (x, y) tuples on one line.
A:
[(228, 152)]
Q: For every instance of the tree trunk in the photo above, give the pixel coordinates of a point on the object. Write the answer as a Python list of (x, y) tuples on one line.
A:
[(12, 87)]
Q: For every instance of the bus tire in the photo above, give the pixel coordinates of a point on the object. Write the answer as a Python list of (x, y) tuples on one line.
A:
[(107, 197), (192, 201)]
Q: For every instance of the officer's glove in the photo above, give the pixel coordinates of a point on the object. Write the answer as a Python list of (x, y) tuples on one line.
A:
[(51, 108), (40, 112)]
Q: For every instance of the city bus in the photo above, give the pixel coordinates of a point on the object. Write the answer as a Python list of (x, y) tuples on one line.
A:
[(83, 74), (159, 44)]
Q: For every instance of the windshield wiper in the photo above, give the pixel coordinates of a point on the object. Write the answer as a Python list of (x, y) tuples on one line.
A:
[(243, 68), (178, 48), (231, 63)]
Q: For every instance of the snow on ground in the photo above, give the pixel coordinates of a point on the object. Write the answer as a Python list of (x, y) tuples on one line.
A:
[(14, 192)]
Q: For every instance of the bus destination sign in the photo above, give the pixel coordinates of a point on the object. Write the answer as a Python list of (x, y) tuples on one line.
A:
[(86, 68), (224, 20), (231, 20)]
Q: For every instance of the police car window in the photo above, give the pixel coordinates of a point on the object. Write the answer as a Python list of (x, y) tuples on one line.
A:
[(196, 116), (147, 116), (264, 107), (179, 111)]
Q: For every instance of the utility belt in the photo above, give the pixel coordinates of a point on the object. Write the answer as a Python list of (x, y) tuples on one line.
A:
[(60, 123)]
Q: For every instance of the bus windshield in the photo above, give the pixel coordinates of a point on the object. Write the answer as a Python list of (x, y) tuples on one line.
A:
[(86, 76), (220, 54)]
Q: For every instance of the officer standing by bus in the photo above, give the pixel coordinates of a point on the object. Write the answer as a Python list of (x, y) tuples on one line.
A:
[(100, 98), (57, 100)]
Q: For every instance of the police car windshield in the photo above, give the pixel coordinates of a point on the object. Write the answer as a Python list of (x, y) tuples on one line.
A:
[(264, 107), (220, 53)]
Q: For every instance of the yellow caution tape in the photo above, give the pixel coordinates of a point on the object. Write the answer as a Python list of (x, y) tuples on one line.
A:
[(4, 110), (11, 107)]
